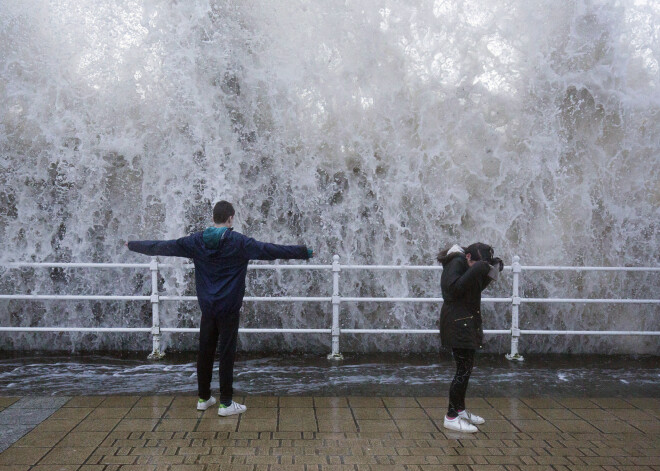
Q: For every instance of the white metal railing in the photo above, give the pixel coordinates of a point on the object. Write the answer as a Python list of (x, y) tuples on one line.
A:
[(335, 300)]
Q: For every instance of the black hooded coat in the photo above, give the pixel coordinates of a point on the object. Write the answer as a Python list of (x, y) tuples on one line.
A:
[(460, 316)]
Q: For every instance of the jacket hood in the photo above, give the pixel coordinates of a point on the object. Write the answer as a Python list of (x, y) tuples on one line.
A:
[(213, 235), (453, 252)]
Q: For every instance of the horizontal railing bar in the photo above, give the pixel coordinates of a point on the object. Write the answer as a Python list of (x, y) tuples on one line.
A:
[(72, 297), (259, 266), (289, 267), (569, 268), (321, 331), (413, 300), (391, 267), (409, 331), (75, 329), (588, 332), (73, 265), (313, 267), (146, 265), (350, 299), (190, 265), (587, 300), (284, 331), (67, 297), (257, 298), (399, 267), (246, 330)]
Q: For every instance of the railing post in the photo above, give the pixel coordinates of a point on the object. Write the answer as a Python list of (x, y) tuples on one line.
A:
[(156, 353), (336, 301), (515, 305)]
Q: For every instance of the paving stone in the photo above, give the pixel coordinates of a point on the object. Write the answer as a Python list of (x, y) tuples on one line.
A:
[(217, 425), (560, 414), (146, 412), (40, 439), (491, 426), (22, 416), (371, 413), (73, 413), (55, 467), (647, 426), (6, 401), (505, 402), (71, 455), (377, 426), (188, 412), (541, 403), (628, 415), (154, 401), (334, 414), (645, 402), (534, 425), (612, 403), (416, 425), (338, 425), (400, 402), (176, 425), (257, 425), (108, 413), (85, 401), (57, 425), (331, 402), (22, 455), (365, 402), (407, 413), (296, 402), (9, 434), (184, 402), (141, 425), (40, 402), (296, 413), (82, 439), (261, 401), (573, 425), (577, 403)]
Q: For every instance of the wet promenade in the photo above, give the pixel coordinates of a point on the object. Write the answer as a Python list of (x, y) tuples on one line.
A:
[(104, 433)]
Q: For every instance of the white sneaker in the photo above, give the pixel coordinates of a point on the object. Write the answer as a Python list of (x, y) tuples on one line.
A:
[(232, 409), (472, 418), (203, 405), (460, 425)]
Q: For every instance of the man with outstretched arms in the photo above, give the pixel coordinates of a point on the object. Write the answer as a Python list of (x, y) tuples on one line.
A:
[(221, 257)]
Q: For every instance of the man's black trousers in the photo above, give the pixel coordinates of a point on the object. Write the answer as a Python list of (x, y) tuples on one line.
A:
[(217, 331)]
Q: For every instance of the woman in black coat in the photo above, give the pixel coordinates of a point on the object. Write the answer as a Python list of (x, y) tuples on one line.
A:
[(467, 271)]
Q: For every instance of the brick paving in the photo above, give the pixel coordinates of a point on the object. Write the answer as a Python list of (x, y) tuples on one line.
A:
[(153, 433)]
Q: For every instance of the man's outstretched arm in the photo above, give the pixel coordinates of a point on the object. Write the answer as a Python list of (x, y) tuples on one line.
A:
[(173, 248), (256, 250)]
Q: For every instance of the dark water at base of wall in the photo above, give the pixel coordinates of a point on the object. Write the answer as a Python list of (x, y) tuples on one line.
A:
[(357, 375)]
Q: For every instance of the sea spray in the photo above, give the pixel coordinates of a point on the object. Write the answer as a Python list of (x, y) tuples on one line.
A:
[(377, 130)]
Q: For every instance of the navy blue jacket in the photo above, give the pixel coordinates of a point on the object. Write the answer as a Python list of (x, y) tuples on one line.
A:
[(219, 271)]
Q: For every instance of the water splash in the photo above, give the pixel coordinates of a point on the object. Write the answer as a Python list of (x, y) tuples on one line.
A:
[(377, 130)]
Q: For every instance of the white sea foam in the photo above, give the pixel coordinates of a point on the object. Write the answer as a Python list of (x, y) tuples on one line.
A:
[(377, 130)]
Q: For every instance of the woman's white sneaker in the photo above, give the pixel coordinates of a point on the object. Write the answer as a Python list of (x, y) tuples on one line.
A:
[(232, 409), (459, 424), (472, 418), (203, 405)]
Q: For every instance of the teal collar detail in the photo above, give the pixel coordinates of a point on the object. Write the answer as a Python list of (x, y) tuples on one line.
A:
[(212, 236)]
